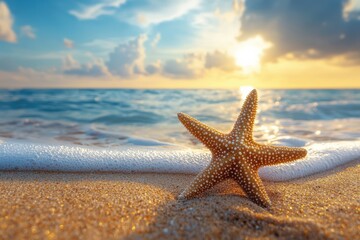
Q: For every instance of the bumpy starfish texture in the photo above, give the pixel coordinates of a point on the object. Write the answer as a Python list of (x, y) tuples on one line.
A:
[(236, 155)]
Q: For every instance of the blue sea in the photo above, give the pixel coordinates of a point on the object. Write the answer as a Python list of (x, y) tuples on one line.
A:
[(134, 120), (110, 118)]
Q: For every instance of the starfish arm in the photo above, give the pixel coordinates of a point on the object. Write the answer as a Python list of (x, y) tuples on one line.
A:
[(251, 183), (207, 135), (236, 155), (205, 180), (244, 124), (263, 155)]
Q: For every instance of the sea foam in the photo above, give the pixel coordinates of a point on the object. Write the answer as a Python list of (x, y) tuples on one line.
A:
[(25, 156)]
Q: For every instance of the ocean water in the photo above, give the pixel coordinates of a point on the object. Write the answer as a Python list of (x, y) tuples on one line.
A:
[(143, 125)]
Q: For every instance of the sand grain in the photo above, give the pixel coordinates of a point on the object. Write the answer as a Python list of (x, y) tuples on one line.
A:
[(113, 206)]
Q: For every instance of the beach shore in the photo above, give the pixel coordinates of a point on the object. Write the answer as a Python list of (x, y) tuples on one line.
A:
[(44, 205)]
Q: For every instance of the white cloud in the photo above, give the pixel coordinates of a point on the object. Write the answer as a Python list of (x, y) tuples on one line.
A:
[(89, 69), (209, 38), (351, 10), (156, 40), (103, 44), (106, 7), (70, 63), (128, 58), (153, 68), (6, 21), (142, 13), (68, 43), (190, 66), (155, 12), (177, 68), (95, 68), (238, 6), (28, 31), (198, 64), (220, 60)]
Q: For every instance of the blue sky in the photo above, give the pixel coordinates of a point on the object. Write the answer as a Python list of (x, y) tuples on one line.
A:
[(189, 43), (52, 22)]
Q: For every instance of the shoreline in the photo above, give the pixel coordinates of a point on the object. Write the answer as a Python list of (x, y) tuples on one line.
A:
[(57, 205)]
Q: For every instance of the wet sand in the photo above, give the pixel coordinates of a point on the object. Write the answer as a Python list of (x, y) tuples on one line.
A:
[(43, 205)]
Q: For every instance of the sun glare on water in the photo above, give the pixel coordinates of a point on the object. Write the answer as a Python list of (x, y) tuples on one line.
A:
[(249, 52)]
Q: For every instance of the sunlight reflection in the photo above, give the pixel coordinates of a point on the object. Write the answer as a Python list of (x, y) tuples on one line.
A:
[(244, 91), (269, 132)]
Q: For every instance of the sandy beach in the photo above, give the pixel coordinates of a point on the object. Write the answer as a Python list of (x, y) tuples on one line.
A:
[(43, 205)]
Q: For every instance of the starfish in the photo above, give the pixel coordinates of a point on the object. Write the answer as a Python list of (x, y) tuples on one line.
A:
[(236, 155)]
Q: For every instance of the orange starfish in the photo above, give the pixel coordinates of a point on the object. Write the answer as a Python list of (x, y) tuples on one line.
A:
[(236, 155)]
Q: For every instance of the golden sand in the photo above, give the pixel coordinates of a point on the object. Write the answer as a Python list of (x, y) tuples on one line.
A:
[(137, 206)]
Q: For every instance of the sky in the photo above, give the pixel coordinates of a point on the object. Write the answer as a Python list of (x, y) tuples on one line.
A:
[(179, 44)]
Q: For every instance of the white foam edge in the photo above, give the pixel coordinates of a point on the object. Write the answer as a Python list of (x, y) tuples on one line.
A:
[(17, 155), (321, 157)]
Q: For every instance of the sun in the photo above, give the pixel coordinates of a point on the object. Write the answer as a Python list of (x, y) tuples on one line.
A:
[(248, 53)]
